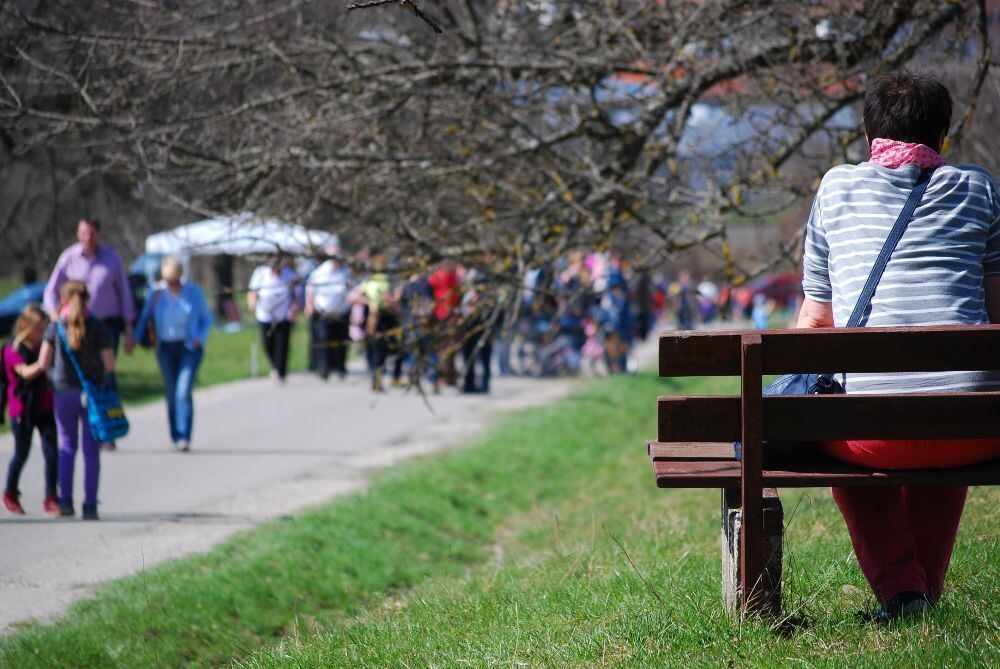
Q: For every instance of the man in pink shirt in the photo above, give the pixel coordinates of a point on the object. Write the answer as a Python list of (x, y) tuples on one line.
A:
[(98, 266)]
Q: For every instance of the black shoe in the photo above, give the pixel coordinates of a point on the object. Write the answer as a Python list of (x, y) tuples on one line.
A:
[(66, 508), (909, 604), (90, 512)]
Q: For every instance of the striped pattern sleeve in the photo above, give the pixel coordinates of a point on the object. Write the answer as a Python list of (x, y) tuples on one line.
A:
[(816, 258), (991, 259)]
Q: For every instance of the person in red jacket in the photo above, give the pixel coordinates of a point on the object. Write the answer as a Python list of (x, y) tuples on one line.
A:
[(445, 284)]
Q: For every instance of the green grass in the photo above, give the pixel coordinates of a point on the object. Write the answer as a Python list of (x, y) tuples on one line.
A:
[(504, 553), (8, 286)]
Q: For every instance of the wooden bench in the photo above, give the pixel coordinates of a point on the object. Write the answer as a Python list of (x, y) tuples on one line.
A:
[(694, 448)]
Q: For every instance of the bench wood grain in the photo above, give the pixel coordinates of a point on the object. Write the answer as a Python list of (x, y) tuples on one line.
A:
[(826, 417), (678, 473), (717, 353)]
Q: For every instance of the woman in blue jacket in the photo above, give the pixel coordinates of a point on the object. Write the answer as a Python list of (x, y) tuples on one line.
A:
[(176, 320)]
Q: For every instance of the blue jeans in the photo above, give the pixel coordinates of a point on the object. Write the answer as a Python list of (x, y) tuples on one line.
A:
[(179, 366)]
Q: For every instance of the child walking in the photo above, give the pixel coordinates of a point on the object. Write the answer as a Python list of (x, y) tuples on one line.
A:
[(29, 401), (91, 345)]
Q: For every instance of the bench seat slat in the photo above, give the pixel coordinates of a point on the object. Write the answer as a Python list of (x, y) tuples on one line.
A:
[(913, 349), (825, 417), (721, 474), (697, 450)]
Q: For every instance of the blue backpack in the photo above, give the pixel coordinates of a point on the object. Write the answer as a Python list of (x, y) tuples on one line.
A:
[(104, 407)]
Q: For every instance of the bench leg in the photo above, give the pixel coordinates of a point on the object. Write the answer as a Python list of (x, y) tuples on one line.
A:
[(732, 520)]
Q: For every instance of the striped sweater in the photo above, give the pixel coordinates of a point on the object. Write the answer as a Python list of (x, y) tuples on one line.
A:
[(934, 277)]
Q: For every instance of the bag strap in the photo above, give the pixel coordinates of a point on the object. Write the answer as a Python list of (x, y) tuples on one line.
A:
[(88, 387), (898, 228)]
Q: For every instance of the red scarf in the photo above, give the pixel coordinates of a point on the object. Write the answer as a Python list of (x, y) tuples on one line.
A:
[(890, 153)]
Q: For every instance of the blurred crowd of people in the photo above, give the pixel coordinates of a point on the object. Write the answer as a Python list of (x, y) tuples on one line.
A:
[(585, 309), (451, 324), (770, 300), (584, 312)]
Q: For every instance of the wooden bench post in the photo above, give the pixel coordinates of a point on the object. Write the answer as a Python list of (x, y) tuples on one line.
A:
[(752, 475), (732, 522)]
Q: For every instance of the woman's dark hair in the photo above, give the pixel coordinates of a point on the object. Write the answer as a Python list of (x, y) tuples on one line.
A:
[(907, 107)]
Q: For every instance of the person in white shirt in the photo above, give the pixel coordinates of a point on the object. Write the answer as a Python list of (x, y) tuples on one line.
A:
[(271, 296), (328, 310)]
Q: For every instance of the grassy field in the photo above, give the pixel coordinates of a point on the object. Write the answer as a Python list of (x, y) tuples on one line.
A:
[(512, 552), (8, 286)]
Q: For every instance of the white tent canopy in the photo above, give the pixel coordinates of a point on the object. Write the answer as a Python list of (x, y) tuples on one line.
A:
[(238, 235)]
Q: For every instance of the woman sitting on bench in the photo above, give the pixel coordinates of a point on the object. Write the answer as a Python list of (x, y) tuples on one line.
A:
[(944, 271)]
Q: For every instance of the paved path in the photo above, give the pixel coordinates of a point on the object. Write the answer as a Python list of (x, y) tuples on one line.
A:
[(259, 452)]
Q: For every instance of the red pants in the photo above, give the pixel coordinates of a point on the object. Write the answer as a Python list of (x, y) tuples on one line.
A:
[(904, 536)]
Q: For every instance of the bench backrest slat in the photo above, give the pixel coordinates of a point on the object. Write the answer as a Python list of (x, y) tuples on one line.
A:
[(947, 348), (825, 417)]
